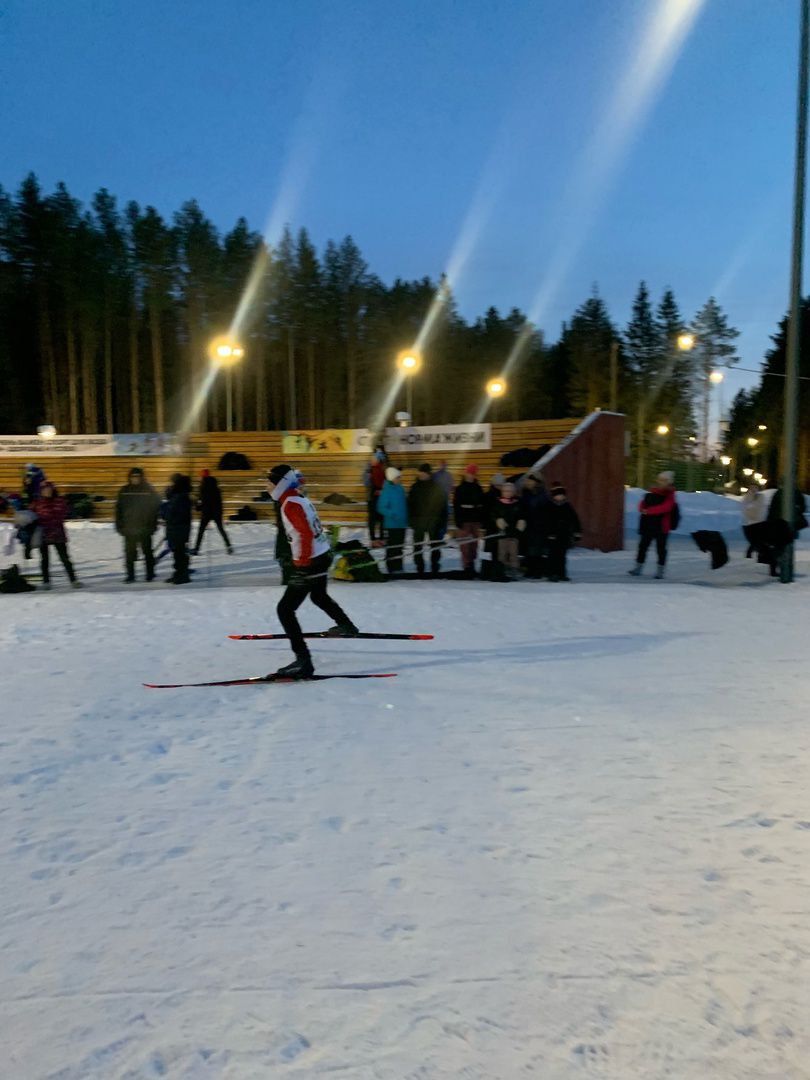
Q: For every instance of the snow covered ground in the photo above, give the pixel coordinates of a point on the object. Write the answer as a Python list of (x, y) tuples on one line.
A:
[(571, 838)]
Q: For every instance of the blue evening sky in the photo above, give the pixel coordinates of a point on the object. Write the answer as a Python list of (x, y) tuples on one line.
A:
[(393, 119)]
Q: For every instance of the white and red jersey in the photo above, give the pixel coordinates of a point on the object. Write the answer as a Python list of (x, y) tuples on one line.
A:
[(303, 528)]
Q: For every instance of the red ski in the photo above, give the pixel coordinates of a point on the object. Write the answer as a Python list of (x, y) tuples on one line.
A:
[(337, 637), (250, 680)]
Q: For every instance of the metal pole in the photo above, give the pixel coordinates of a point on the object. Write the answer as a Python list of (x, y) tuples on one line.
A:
[(614, 376), (229, 399), (793, 340), (409, 397)]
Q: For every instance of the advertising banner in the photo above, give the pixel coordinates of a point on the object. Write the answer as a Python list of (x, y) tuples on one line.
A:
[(149, 444), (328, 441), (439, 437), (33, 446)]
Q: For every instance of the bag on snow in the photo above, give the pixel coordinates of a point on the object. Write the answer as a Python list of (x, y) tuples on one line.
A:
[(12, 581), (356, 563)]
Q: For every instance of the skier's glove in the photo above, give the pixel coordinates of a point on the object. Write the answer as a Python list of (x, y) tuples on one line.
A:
[(501, 524), (521, 526)]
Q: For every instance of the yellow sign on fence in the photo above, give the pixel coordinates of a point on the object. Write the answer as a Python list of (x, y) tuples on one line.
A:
[(328, 441)]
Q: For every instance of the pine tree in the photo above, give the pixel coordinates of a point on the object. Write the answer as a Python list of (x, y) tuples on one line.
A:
[(642, 347), (588, 339), (713, 349), (675, 398)]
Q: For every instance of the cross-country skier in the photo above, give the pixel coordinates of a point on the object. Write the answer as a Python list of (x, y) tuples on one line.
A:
[(311, 556)]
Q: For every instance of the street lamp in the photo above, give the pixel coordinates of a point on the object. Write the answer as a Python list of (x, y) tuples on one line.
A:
[(409, 361), (725, 460), (686, 342), (716, 377), (748, 472), (663, 429), (762, 427), (496, 387), (46, 431), (226, 352)]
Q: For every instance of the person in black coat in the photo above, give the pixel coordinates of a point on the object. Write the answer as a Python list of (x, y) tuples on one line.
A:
[(777, 532), (470, 511), (178, 526), (564, 530), (136, 518), (535, 503), (209, 503), (427, 506)]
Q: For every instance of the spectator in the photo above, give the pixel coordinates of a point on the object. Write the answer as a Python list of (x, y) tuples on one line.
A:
[(470, 514), (754, 507), (443, 477), (33, 480), (136, 518), (659, 515), (393, 508), (564, 530), (535, 503), (511, 524), (781, 532), (493, 496), (374, 478), (52, 511), (209, 503), (426, 502), (178, 526)]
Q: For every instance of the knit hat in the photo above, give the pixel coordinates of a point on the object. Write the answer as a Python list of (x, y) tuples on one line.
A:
[(667, 476), (426, 469), (471, 470), (205, 473), (498, 479), (392, 474), (557, 489), (278, 472)]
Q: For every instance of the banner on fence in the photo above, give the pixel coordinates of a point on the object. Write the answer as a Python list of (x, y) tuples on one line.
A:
[(150, 444), (33, 446), (439, 437), (328, 441)]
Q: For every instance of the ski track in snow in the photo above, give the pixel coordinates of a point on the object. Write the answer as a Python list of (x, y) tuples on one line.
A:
[(572, 839)]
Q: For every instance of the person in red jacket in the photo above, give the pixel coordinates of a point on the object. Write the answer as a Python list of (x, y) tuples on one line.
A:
[(311, 557), (374, 479), (52, 511), (658, 509)]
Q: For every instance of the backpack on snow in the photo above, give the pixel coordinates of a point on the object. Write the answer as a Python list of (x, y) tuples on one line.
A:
[(12, 581), (356, 563)]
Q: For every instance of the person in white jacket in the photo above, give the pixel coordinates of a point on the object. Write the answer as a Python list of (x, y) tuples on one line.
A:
[(755, 505)]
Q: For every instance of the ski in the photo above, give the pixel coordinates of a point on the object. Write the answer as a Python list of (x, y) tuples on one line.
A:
[(250, 680), (328, 636)]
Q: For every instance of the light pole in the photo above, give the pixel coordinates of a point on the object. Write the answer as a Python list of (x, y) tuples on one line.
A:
[(409, 361), (791, 424), (225, 352)]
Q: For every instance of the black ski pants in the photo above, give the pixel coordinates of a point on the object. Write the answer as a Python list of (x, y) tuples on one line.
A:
[(394, 547), (205, 521), (62, 552), (660, 546), (133, 541), (309, 582)]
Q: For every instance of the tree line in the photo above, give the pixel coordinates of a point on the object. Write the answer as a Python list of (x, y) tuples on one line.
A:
[(106, 313)]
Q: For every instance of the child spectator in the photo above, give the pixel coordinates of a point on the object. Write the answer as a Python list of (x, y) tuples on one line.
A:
[(511, 523), (470, 512), (178, 526), (52, 511), (563, 531), (392, 507)]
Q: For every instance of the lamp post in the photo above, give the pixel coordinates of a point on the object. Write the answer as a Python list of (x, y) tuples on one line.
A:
[(225, 352), (409, 361)]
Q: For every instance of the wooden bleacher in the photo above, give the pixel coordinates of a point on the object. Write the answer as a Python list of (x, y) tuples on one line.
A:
[(325, 473)]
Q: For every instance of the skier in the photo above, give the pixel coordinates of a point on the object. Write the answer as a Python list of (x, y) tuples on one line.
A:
[(136, 517), (209, 503), (659, 516), (52, 511), (311, 556)]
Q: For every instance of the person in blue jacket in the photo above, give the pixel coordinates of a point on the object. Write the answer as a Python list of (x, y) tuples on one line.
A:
[(392, 506)]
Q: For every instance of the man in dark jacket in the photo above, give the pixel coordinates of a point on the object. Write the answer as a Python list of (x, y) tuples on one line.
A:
[(427, 506), (564, 530), (178, 526), (470, 512), (136, 517), (535, 503), (209, 503)]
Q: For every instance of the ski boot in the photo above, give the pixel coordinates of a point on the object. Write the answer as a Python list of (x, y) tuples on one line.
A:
[(636, 571), (659, 573), (347, 629), (300, 668)]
